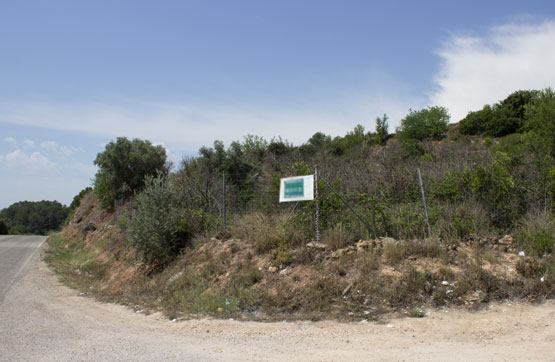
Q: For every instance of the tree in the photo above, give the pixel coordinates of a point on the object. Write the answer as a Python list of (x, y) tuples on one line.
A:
[(501, 119), (36, 218), (541, 121), (508, 115), (475, 122), (428, 123), (382, 130), (123, 166)]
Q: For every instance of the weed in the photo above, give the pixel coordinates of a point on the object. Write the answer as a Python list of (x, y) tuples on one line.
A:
[(393, 251), (446, 273), (417, 312), (529, 268), (266, 232), (368, 262), (536, 233), (337, 237), (282, 255), (251, 277)]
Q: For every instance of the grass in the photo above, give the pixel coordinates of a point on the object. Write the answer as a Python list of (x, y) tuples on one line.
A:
[(536, 233), (75, 262)]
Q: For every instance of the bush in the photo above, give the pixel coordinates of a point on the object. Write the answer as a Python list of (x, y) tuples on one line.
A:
[(536, 234), (163, 224), (266, 233)]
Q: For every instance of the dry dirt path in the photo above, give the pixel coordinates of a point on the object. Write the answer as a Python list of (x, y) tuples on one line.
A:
[(42, 320)]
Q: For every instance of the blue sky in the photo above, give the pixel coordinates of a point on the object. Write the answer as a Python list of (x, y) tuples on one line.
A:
[(76, 74)]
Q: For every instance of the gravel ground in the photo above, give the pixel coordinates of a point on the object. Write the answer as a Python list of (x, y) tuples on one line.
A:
[(42, 320)]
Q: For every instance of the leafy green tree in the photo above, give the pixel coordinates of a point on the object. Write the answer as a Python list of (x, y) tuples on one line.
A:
[(319, 139), (382, 129), (509, 115), (428, 123), (504, 118), (123, 166)]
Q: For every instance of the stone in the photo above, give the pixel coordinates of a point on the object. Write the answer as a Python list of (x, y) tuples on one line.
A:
[(316, 245)]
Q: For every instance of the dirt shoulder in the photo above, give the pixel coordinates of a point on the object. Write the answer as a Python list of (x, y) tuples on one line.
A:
[(43, 320)]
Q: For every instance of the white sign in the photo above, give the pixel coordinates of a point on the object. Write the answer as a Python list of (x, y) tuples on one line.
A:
[(299, 188)]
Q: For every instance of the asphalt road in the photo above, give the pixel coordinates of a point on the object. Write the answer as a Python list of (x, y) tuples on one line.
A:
[(16, 252)]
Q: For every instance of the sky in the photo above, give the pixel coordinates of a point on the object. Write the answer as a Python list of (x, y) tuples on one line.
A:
[(75, 75)]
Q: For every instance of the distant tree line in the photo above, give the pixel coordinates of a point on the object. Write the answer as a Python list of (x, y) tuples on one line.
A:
[(36, 218)]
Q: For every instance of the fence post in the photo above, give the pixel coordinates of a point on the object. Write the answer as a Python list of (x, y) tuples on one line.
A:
[(424, 201), (317, 210), (224, 205)]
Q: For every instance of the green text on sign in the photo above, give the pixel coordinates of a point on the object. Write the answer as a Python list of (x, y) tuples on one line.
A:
[(294, 188)]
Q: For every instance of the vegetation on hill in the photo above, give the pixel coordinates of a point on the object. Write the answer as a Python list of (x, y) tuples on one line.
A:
[(37, 218), (211, 237), (123, 166)]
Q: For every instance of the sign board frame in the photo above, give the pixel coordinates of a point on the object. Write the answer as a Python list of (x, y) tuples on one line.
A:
[(298, 188)]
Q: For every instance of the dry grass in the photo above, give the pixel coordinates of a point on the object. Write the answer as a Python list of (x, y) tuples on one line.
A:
[(236, 276), (337, 237)]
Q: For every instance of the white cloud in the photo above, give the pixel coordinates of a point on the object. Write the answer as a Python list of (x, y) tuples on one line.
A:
[(485, 69), (35, 162), (29, 143), (10, 140), (56, 148)]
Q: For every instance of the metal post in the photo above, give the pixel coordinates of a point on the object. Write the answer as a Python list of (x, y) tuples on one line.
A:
[(224, 206), (424, 201), (317, 209)]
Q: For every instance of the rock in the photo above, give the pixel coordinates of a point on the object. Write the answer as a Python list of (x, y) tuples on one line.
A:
[(387, 240), (316, 245), (521, 253), (272, 269), (175, 277), (363, 245), (506, 240), (445, 282), (283, 272)]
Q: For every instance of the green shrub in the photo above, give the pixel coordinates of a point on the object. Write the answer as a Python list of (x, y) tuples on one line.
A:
[(536, 234), (163, 224)]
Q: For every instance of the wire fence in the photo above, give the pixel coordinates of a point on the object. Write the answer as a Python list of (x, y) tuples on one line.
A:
[(402, 203)]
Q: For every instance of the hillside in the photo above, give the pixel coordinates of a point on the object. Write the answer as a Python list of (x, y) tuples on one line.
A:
[(212, 238)]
